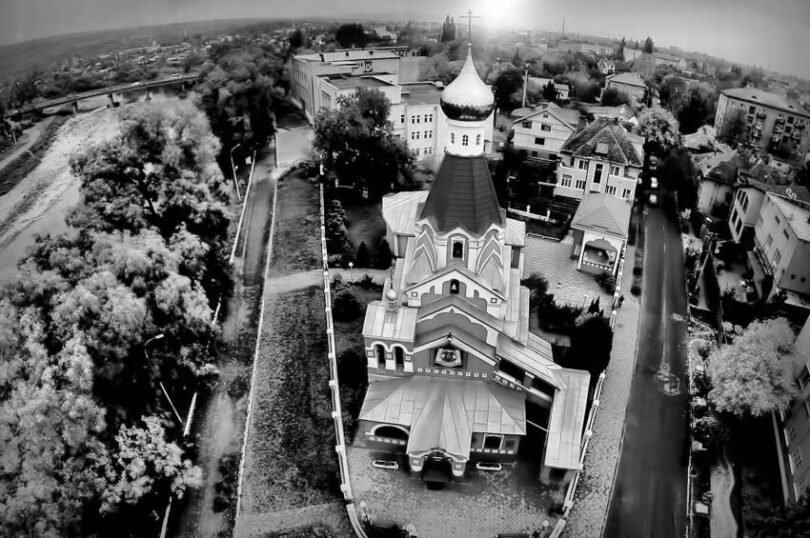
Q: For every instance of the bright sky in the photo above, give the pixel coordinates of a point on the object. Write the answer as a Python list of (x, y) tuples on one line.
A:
[(772, 33)]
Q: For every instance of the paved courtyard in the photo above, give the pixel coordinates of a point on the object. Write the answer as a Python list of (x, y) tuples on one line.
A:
[(552, 260), (482, 504)]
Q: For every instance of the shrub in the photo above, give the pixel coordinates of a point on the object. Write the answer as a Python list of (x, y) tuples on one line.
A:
[(239, 385), (537, 284), (346, 307), (607, 281), (591, 344), (637, 270), (635, 290), (384, 255), (362, 259)]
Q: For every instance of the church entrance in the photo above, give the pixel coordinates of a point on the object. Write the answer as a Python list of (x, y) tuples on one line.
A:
[(437, 471)]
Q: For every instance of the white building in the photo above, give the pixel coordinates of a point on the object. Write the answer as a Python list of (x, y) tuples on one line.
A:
[(543, 132)]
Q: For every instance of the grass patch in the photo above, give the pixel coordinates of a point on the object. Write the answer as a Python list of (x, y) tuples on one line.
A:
[(290, 458), (310, 531), (351, 358), (297, 236), (366, 224)]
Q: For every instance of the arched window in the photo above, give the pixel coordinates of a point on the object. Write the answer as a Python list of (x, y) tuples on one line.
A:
[(380, 355), (478, 140), (452, 138), (458, 249), (465, 140)]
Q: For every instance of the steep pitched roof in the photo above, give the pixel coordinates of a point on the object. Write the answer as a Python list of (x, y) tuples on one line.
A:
[(567, 116), (631, 79), (463, 195), (611, 139), (604, 213)]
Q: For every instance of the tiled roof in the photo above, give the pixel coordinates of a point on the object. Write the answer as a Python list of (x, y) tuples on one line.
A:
[(631, 79), (603, 213), (757, 96), (619, 143), (463, 195)]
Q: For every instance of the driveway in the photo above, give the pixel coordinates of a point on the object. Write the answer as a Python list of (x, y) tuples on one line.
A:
[(649, 494)]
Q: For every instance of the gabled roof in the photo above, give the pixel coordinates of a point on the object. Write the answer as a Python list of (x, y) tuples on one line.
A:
[(618, 144), (568, 116), (463, 196), (630, 79), (389, 325), (399, 211), (604, 213)]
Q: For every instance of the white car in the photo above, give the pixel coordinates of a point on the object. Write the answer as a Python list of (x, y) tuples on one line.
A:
[(653, 200), (176, 75), (653, 182)]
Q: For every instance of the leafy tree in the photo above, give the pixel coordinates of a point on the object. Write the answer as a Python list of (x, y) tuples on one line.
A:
[(776, 522), (362, 259), (358, 143), (296, 39), (696, 108), (734, 126), (660, 130), (507, 84), (649, 46), (591, 345), (753, 376), (351, 35), (615, 97), (672, 91)]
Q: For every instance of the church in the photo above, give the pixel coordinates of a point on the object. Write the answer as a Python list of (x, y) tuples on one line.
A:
[(456, 380)]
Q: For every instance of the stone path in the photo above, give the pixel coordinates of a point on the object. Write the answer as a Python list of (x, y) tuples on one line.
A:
[(587, 516)]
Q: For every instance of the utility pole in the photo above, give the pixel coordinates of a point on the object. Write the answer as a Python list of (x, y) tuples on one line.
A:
[(525, 83), (563, 27)]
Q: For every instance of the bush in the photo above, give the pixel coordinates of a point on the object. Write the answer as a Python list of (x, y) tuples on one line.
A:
[(591, 344), (384, 255), (362, 259), (607, 281), (346, 307), (635, 290), (637, 270), (225, 487), (239, 385)]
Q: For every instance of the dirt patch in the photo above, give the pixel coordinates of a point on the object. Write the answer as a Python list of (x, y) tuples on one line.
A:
[(290, 460), (297, 234)]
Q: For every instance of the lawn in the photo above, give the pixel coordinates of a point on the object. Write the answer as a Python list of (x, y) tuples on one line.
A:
[(297, 244), (290, 460), (366, 223)]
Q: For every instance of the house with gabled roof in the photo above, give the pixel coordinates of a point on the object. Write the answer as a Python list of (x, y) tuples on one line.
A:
[(603, 157), (630, 83), (600, 226), (543, 131), (455, 376)]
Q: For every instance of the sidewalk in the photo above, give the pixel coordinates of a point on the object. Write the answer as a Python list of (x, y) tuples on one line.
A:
[(587, 517)]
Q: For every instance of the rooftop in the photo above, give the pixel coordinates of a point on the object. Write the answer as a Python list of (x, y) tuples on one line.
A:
[(619, 146), (421, 93), (350, 54), (604, 213), (631, 79), (356, 82), (797, 217), (566, 115), (771, 100)]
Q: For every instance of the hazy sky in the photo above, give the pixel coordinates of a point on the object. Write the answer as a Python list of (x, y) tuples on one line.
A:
[(771, 33)]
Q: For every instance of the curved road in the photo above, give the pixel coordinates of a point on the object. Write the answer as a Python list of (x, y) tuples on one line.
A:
[(649, 493)]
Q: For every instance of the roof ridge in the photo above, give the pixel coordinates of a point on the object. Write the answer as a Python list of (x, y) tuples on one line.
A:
[(618, 144)]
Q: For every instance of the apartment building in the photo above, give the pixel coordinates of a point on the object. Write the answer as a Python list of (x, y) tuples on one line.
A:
[(603, 157), (773, 124)]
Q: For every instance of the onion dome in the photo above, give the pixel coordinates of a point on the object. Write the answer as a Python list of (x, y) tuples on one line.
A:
[(467, 98)]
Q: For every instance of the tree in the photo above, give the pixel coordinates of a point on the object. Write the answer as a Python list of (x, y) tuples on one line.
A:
[(754, 375), (615, 97), (351, 35), (508, 83), (649, 46), (775, 522), (448, 29), (358, 143), (678, 175), (591, 345), (296, 39), (516, 61), (660, 130), (384, 255), (672, 92), (696, 108), (549, 92), (362, 259), (733, 127)]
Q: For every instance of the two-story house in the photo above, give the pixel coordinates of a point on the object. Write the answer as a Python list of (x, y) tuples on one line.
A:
[(630, 83), (603, 157), (543, 132), (455, 376)]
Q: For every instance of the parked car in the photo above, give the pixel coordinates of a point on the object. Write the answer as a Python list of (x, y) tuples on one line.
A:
[(653, 200), (653, 182)]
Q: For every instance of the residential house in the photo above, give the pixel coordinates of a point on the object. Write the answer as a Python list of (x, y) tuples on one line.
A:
[(600, 227), (630, 83), (455, 376), (782, 247), (750, 190), (606, 66), (717, 173), (623, 113), (793, 426), (772, 123), (662, 58), (603, 157), (542, 132)]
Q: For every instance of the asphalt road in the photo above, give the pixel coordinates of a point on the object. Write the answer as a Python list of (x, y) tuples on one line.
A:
[(649, 494)]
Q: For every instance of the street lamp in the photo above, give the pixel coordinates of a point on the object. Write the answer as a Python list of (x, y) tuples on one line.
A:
[(233, 169), (165, 392)]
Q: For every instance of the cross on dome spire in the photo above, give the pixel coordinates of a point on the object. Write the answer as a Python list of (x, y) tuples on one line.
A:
[(469, 16)]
